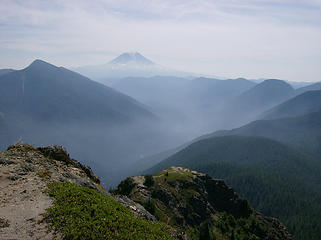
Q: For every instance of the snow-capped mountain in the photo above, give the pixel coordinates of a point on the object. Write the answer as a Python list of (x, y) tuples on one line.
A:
[(128, 65), (131, 58)]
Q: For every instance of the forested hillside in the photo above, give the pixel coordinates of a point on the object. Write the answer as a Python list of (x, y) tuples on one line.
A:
[(277, 180)]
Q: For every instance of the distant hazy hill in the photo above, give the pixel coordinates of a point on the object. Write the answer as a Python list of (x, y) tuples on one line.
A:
[(278, 180), (250, 104), (268, 92), (190, 105), (153, 91), (162, 90), (209, 91), (310, 87), (297, 85), (307, 102), (49, 93), (127, 65), (45, 104), (5, 71), (301, 132)]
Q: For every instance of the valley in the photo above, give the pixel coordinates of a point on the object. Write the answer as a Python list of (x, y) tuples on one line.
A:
[(262, 138)]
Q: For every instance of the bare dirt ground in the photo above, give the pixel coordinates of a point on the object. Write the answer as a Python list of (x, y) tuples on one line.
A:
[(22, 202), (24, 174)]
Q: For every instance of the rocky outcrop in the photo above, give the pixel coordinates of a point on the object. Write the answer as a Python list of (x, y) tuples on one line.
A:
[(59, 153), (195, 201), (25, 172), (136, 208)]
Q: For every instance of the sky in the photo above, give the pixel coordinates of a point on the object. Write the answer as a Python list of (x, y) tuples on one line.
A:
[(228, 38)]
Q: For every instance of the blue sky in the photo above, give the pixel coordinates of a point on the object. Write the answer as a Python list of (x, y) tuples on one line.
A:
[(229, 38)]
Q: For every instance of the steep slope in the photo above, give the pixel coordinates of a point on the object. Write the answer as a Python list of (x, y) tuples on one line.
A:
[(305, 103), (43, 91), (47, 195), (301, 132), (250, 104), (277, 180), (203, 207)]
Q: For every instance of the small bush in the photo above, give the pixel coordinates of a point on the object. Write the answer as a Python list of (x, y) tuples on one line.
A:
[(149, 181), (206, 231), (125, 187), (150, 206)]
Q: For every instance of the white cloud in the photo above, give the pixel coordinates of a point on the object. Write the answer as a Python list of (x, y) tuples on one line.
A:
[(251, 38)]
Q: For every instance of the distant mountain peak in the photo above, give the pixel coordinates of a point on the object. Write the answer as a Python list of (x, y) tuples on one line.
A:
[(131, 57), (38, 63), (274, 83)]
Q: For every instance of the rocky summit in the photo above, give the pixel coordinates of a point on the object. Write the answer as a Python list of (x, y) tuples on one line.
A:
[(200, 206), (45, 194), (25, 172)]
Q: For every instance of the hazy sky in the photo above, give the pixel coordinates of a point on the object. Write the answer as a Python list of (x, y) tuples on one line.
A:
[(229, 38)]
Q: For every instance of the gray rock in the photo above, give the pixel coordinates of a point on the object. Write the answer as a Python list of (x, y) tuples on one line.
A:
[(85, 183), (14, 178), (59, 153), (89, 172), (137, 209), (68, 175), (5, 161), (28, 168), (56, 152)]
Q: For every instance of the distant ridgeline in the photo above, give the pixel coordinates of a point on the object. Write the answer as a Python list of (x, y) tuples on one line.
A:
[(274, 163), (44, 104)]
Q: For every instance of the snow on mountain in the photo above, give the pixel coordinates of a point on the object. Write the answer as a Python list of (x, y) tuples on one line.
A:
[(128, 65)]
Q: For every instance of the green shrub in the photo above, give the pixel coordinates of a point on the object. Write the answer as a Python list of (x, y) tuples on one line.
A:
[(206, 231), (83, 213), (149, 181), (150, 206), (125, 187)]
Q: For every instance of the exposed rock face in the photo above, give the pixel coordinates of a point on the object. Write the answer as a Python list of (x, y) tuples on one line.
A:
[(24, 174), (59, 153), (136, 208), (188, 199)]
